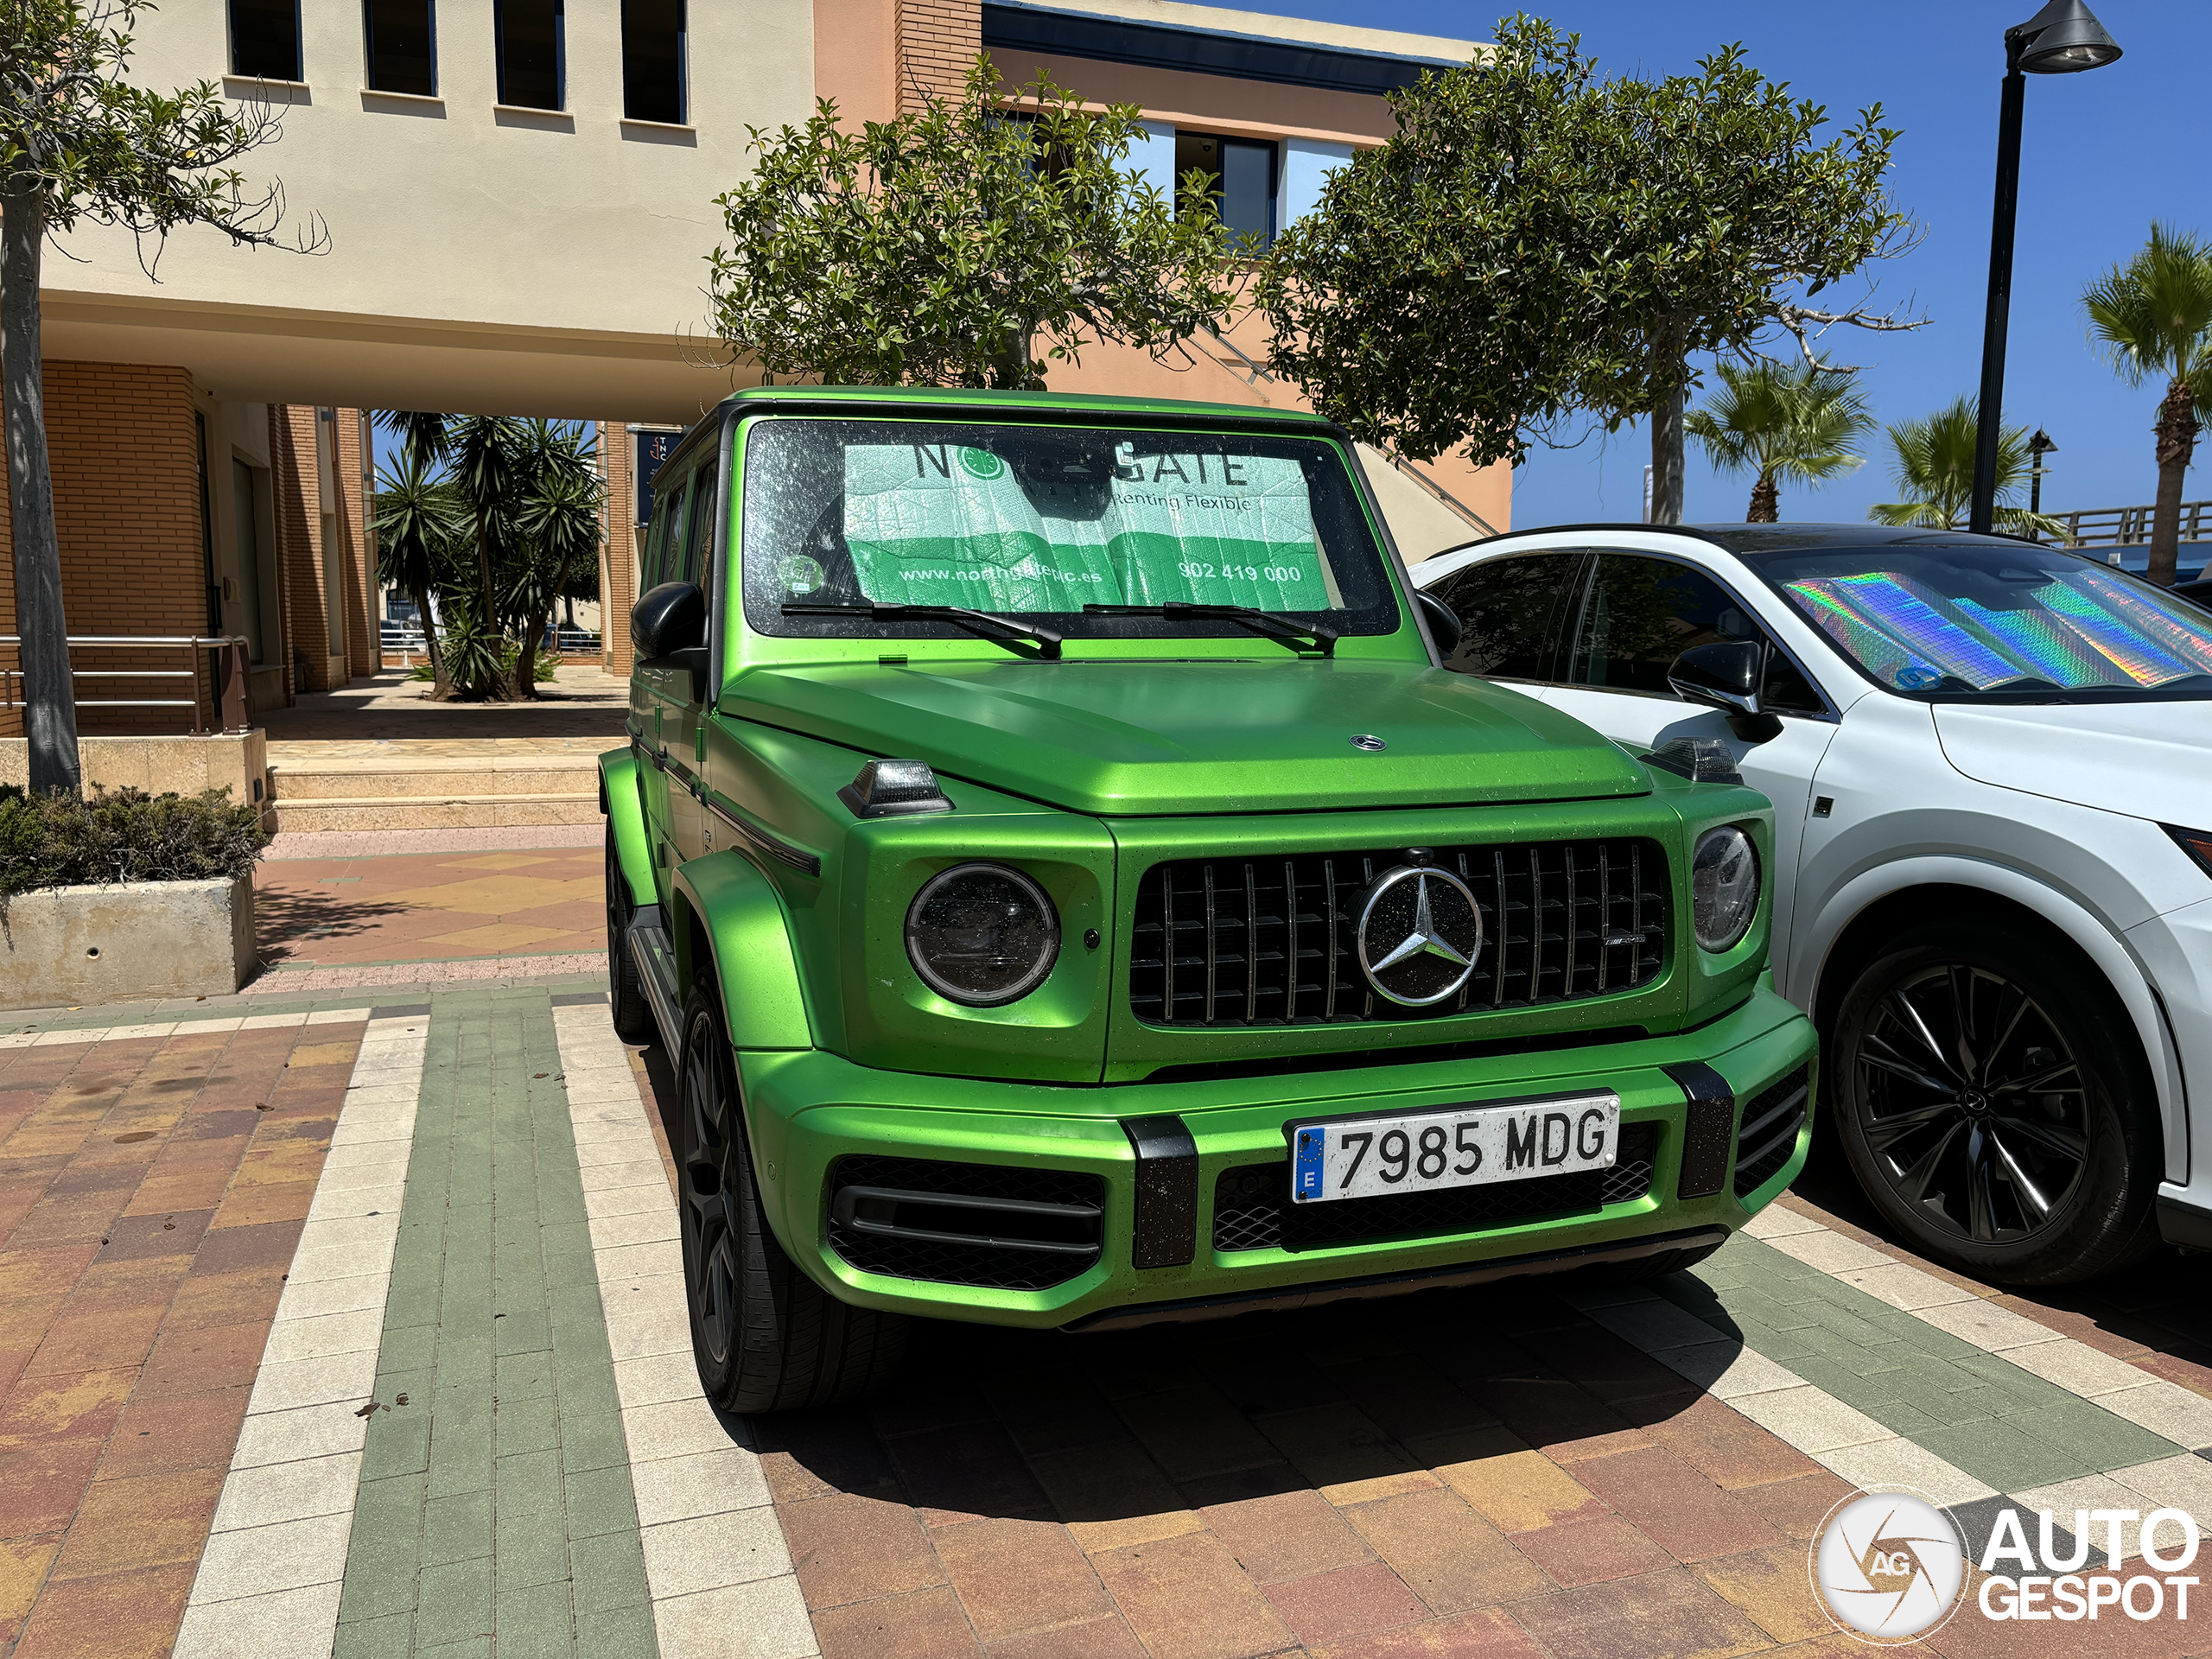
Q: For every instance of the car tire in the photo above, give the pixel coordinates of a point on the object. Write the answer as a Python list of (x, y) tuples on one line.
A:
[(1995, 1106), (767, 1337), (626, 997)]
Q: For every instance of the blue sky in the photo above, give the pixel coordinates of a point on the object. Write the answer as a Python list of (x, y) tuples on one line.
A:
[(2104, 153)]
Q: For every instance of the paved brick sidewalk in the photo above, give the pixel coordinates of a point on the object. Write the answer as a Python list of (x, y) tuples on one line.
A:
[(152, 1190), (521, 903), (1537, 1472)]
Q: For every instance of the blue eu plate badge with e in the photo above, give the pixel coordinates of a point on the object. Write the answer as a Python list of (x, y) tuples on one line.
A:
[(1306, 1168)]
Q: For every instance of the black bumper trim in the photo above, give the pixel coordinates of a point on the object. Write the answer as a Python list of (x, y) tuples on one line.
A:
[(1166, 1228), (1395, 1284), (1709, 1129), (2185, 1224)]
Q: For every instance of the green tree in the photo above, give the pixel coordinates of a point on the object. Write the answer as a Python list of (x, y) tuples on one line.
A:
[(1533, 240), (79, 145), (938, 248), (499, 517), (2152, 316), (1803, 424), (1932, 461), (1443, 291), (418, 520)]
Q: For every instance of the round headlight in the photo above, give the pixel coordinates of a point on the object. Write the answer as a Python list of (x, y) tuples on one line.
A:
[(982, 934), (1724, 887)]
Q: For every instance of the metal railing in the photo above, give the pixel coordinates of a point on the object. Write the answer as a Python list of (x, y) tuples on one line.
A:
[(229, 652), (406, 639), (2130, 526)]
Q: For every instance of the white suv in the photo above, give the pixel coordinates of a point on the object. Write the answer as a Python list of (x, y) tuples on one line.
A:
[(1991, 765)]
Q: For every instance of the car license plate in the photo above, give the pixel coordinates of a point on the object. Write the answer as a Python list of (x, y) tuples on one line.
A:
[(1460, 1145)]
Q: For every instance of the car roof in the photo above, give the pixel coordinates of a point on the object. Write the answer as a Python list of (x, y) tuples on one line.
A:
[(1079, 407), (1755, 539)]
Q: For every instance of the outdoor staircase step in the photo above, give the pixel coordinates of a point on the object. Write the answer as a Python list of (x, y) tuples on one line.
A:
[(448, 811), (337, 780)]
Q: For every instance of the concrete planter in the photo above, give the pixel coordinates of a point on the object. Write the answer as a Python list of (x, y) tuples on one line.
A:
[(132, 942)]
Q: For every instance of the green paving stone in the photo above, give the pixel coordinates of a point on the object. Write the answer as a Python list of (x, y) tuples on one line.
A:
[(389, 1637), (455, 1600), (610, 1572), (536, 1622), (601, 1500), (388, 1518), (617, 1633), (497, 1335), (399, 1444), (477, 1647), (457, 1528)]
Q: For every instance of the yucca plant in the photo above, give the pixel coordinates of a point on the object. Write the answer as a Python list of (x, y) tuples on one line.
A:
[(1804, 424), (2152, 316), (1932, 461)]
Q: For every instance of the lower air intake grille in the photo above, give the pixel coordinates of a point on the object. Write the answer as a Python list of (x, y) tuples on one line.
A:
[(1252, 1210), (991, 1225), (1770, 1133), (1269, 941)]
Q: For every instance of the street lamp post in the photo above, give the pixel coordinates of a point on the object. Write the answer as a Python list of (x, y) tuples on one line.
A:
[(2064, 37), (2039, 447)]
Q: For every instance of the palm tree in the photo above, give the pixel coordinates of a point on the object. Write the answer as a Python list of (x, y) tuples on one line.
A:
[(1803, 424), (1932, 461), (2153, 318), (418, 520)]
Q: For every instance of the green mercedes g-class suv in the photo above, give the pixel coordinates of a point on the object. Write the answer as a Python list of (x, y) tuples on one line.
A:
[(1073, 894)]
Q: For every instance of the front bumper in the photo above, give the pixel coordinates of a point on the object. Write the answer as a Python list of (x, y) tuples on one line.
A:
[(809, 1108)]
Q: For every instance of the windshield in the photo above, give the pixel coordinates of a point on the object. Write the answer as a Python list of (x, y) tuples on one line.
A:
[(1039, 522), (1975, 621)]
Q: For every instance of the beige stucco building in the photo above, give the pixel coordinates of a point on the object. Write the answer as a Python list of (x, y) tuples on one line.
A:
[(512, 207)]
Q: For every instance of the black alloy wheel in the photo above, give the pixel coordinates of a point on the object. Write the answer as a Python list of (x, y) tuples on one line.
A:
[(765, 1336), (633, 1020), (1995, 1107)]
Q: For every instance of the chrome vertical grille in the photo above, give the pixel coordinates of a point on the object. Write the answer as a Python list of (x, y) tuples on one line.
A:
[(1270, 940)]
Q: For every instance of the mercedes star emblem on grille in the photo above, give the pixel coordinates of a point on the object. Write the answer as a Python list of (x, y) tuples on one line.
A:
[(1368, 742), (1420, 933)]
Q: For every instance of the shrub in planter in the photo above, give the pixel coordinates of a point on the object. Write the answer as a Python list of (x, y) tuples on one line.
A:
[(123, 835), (124, 896)]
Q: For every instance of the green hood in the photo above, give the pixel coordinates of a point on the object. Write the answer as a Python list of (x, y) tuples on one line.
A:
[(1130, 739)]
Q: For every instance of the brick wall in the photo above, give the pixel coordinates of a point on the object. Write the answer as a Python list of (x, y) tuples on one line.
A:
[(125, 457), (617, 552), (304, 553), (938, 42)]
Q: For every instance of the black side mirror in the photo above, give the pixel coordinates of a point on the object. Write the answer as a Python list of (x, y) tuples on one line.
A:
[(671, 622), (1721, 676), (1725, 675), (1443, 622), (668, 619)]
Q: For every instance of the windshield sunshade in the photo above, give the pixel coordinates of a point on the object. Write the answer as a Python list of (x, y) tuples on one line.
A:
[(1045, 522), (1970, 620)]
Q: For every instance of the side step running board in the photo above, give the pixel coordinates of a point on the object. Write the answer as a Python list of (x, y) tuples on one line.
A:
[(655, 954)]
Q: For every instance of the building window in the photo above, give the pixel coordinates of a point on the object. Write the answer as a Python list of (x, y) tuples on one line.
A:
[(402, 51), (265, 39), (653, 61), (532, 66), (1243, 172)]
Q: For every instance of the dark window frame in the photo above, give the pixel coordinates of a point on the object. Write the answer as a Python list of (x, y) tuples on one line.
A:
[(369, 49), (1566, 640), (501, 79), (299, 45), (1218, 195), (682, 117)]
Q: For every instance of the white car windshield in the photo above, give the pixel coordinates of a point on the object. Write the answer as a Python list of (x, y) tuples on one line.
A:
[(1971, 620)]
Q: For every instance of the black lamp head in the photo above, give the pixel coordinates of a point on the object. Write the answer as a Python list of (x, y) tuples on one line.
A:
[(2041, 444), (2063, 39)]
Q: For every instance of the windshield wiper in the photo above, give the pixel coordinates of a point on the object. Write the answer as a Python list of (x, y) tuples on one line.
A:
[(1274, 624), (1009, 635)]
